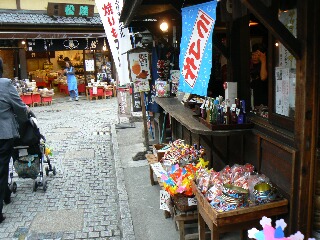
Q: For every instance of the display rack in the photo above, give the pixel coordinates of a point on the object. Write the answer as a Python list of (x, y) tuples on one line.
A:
[(238, 219)]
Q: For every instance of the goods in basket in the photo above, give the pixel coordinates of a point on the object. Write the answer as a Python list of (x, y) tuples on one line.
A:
[(180, 153), (235, 187), (45, 92), (271, 233), (177, 182), (178, 179)]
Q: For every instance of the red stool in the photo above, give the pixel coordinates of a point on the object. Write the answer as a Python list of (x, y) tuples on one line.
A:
[(36, 99), (27, 99), (108, 93), (100, 93), (64, 89), (46, 100), (81, 88)]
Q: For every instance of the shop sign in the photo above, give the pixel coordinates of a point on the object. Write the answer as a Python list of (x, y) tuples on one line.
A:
[(140, 71), (70, 10), (124, 102), (196, 47), (40, 45), (136, 101), (118, 35)]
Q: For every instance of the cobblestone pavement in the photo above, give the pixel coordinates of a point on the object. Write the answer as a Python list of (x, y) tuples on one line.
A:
[(86, 199)]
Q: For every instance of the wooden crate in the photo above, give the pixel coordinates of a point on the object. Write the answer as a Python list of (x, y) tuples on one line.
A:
[(240, 215)]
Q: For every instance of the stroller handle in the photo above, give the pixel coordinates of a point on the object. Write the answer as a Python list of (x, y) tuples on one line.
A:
[(43, 138)]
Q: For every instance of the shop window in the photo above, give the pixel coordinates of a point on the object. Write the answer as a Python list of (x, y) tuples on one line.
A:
[(284, 75), (285, 70), (283, 51)]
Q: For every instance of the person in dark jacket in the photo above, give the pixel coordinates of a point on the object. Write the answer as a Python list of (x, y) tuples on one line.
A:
[(12, 111), (259, 75)]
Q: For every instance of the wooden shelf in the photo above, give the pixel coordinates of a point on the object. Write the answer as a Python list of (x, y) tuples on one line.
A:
[(188, 118)]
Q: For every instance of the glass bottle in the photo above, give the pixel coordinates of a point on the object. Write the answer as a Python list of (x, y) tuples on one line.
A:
[(234, 117), (242, 113), (227, 115)]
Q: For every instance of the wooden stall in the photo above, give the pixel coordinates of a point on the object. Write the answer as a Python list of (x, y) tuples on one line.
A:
[(284, 142)]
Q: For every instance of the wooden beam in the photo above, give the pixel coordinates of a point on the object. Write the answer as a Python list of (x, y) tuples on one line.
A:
[(154, 29), (274, 26), (129, 10)]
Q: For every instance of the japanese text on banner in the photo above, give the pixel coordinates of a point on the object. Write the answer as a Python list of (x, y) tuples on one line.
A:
[(196, 47), (195, 50), (118, 36)]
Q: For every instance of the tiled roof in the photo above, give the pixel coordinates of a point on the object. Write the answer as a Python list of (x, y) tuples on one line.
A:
[(40, 17)]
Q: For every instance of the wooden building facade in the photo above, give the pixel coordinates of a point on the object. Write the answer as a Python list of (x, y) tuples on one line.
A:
[(285, 145)]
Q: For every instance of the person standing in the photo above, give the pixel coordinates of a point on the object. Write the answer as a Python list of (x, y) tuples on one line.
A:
[(259, 75), (72, 81), (12, 112)]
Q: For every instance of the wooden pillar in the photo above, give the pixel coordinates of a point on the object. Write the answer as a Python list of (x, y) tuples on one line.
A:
[(18, 4), (23, 64), (306, 117), (239, 49)]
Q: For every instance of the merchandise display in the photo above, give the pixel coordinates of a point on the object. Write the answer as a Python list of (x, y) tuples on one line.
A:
[(179, 163), (181, 153), (32, 95), (235, 187)]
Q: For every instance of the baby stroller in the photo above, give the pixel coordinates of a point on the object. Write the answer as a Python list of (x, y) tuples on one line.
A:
[(30, 154)]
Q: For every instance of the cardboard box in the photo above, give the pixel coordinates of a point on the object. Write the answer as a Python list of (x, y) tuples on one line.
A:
[(157, 150)]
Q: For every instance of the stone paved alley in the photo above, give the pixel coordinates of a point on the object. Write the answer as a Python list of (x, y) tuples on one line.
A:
[(99, 192), (87, 197)]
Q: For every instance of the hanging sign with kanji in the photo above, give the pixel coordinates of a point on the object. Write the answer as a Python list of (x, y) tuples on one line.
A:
[(118, 35), (196, 47), (70, 10)]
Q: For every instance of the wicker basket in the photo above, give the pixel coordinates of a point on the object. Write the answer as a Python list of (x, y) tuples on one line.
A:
[(181, 202)]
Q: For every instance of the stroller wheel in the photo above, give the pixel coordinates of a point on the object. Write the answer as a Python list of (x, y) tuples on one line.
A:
[(13, 187), (54, 171), (47, 171), (35, 185), (44, 186)]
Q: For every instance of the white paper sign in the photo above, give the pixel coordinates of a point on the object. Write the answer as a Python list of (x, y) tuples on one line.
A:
[(158, 169), (192, 201), (164, 199), (282, 91)]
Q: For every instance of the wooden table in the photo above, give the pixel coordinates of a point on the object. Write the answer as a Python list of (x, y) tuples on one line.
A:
[(239, 219), (151, 158), (104, 88), (182, 219)]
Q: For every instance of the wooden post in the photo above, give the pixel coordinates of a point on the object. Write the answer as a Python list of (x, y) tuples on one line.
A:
[(144, 118)]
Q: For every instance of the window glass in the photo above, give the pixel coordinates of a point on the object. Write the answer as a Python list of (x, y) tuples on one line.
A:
[(285, 69)]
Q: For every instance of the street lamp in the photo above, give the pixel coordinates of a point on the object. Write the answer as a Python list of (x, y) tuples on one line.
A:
[(164, 26)]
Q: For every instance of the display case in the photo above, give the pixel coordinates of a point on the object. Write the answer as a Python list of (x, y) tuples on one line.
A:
[(103, 66), (97, 66)]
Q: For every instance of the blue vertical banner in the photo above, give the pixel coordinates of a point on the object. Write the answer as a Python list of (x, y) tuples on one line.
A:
[(196, 47)]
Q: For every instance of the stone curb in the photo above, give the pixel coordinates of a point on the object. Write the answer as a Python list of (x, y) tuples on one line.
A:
[(125, 214)]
